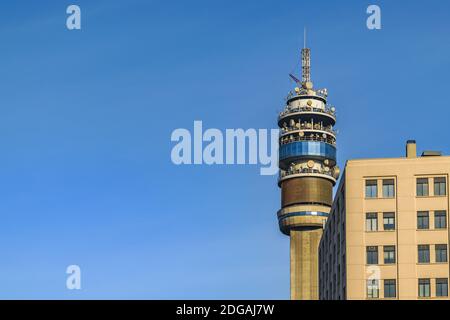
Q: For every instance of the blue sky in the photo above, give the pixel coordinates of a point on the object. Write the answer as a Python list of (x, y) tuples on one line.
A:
[(86, 118)]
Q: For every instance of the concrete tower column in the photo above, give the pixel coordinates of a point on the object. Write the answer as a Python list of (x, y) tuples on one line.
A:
[(304, 266)]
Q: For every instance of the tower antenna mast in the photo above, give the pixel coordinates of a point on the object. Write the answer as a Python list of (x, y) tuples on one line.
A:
[(306, 62)]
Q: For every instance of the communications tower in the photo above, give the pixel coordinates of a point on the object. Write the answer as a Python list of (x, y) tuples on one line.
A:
[(308, 172)]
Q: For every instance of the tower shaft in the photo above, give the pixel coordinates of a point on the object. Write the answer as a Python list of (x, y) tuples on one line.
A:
[(304, 264)]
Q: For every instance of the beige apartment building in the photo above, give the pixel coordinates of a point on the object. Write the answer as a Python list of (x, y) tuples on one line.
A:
[(387, 235)]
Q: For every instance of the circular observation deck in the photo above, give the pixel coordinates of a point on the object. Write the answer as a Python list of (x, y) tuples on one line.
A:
[(297, 131), (306, 173), (301, 217), (326, 116)]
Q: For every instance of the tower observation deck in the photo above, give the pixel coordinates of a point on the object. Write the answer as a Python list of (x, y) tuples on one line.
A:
[(308, 172)]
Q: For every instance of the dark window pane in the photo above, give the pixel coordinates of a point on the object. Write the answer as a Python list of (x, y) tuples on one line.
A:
[(389, 221), (424, 287), (371, 221), (423, 220), (372, 255), (440, 219), (371, 189), (441, 287), (388, 188), (441, 253), (389, 289), (422, 187), (424, 253), (389, 254), (440, 187)]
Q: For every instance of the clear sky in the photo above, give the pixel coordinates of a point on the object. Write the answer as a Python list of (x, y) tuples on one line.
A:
[(86, 118)]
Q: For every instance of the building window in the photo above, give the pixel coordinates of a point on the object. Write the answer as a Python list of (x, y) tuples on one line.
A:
[(442, 287), (372, 255), (390, 289), (389, 254), (441, 253), (423, 220), (424, 288), (371, 189), (440, 219), (422, 187), (388, 188), (371, 221), (372, 289), (389, 221), (424, 253), (440, 187)]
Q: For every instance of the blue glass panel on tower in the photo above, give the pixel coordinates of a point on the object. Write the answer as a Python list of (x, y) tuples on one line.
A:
[(307, 149)]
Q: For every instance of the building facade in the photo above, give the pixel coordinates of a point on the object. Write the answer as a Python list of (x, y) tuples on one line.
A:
[(387, 235), (308, 172)]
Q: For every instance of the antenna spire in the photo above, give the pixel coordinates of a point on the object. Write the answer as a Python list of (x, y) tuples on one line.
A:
[(306, 61), (306, 65)]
